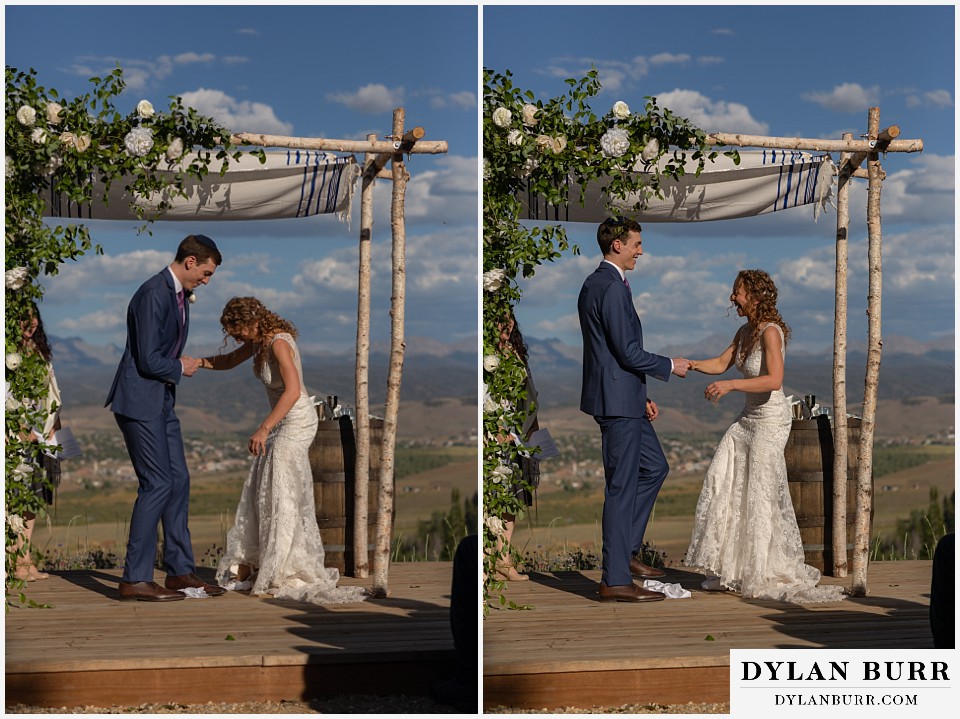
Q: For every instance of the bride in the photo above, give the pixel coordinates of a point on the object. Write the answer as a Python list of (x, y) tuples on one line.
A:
[(274, 547), (745, 529)]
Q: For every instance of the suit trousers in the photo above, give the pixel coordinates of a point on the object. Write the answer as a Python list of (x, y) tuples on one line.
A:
[(634, 468), (155, 447)]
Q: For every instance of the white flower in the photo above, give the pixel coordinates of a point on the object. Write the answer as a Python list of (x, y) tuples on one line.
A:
[(530, 115), (68, 138), (39, 135), (8, 170), (144, 108), (490, 362), (544, 143), (175, 150), (23, 469), (651, 150), (489, 405), (502, 117), (26, 115), (515, 137), (501, 473), (615, 142), (16, 523), (492, 279), (529, 166), (53, 113), (16, 278), (495, 525), (559, 144), (53, 164), (191, 298), (12, 403), (82, 143), (621, 110), (13, 361), (139, 141), (486, 169)]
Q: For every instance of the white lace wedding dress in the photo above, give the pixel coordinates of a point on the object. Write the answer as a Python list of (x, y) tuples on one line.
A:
[(276, 527), (745, 529)]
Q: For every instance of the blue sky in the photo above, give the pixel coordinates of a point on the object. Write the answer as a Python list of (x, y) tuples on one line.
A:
[(306, 71), (807, 71)]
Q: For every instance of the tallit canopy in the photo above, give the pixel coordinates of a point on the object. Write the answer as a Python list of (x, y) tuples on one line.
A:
[(764, 181), (294, 183)]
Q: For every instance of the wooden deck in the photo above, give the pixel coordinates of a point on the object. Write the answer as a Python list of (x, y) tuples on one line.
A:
[(571, 649), (92, 649)]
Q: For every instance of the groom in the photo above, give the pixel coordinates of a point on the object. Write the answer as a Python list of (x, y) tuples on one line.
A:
[(142, 399), (615, 369)]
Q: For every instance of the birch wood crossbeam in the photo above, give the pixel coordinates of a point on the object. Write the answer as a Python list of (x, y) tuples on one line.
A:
[(881, 144), (408, 144)]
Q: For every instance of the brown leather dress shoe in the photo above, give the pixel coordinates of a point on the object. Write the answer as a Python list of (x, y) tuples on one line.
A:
[(628, 593), (184, 581), (639, 569), (147, 592)]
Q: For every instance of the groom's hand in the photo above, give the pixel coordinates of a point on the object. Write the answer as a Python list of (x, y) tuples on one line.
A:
[(190, 365), (680, 366)]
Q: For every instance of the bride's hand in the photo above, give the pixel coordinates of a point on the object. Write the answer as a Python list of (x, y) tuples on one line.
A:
[(258, 442), (716, 390)]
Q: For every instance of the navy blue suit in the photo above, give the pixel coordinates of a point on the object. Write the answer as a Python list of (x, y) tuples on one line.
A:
[(142, 399), (614, 392)]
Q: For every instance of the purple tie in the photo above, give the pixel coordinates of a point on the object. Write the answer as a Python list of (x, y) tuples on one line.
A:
[(180, 306), (627, 283)]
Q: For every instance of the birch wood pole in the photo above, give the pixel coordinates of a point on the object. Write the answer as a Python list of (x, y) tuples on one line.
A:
[(877, 143), (385, 499), (362, 380), (840, 449), (370, 145), (861, 547)]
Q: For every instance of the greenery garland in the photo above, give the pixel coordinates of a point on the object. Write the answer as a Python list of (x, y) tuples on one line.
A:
[(542, 147), (60, 148)]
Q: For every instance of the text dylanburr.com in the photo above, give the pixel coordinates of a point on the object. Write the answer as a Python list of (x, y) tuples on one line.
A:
[(848, 683)]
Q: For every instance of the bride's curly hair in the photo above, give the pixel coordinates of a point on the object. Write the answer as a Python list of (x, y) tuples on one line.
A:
[(760, 287), (251, 312)]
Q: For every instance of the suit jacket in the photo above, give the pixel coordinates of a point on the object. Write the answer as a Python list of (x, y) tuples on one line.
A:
[(151, 359), (615, 365)]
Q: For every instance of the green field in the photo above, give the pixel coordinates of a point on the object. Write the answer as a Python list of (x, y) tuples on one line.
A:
[(563, 520), (85, 520)]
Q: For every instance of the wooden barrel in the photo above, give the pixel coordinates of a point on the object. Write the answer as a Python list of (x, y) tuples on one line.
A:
[(332, 461), (809, 457)]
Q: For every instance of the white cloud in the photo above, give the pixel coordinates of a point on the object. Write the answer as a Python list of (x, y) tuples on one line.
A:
[(444, 192), (188, 58), (237, 115), (712, 115), (848, 97), (235, 59), (372, 98), (465, 100), (938, 99), (667, 58), (722, 31), (710, 60), (614, 75), (248, 31)]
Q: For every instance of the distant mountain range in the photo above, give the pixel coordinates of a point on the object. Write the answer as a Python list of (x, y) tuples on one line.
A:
[(908, 370)]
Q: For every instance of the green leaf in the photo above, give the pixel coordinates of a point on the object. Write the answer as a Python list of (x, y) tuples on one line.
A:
[(230, 638), (709, 638)]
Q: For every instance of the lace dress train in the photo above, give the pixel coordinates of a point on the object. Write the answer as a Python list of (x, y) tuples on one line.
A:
[(276, 528), (745, 528)]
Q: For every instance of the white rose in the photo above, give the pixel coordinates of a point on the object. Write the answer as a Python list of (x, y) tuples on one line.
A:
[(53, 113), (492, 279), (192, 298), (39, 135), (559, 144), (139, 141), (68, 138), (489, 406), (26, 115), (486, 169), (502, 117), (615, 142), (528, 167), (621, 110), (16, 278), (12, 403), (16, 523), (530, 115), (490, 362), (53, 164), (23, 469), (501, 473), (8, 170), (82, 143), (495, 525), (175, 150), (13, 361), (515, 137), (544, 143), (651, 150), (144, 108)]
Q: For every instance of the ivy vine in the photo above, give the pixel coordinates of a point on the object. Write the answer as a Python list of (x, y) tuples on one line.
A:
[(543, 147), (60, 148)]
